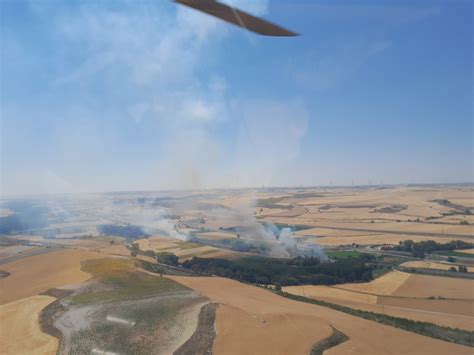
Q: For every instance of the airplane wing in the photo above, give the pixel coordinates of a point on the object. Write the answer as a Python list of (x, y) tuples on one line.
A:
[(237, 17)]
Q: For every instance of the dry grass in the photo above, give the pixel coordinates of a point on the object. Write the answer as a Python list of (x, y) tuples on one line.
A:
[(158, 243), (7, 252), (20, 332), (224, 254), (446, 306), (295, 212), (436, 286), (33, 275), (218, 235), (384, 285), (195, 251), (115, 250)]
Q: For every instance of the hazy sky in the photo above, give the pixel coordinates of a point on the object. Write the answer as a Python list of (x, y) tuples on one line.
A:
[(146, 94)]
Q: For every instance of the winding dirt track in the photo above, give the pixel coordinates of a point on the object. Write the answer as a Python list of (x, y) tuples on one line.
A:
[(251, 320)]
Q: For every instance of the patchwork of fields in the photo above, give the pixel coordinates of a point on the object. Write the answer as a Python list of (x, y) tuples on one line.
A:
[(91, 294), (439, 300)]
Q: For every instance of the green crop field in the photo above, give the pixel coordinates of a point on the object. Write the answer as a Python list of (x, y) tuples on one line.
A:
[(123, 282)]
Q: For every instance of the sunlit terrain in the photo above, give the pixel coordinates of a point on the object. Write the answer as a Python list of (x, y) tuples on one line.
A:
[(236, 177), (155, 254)]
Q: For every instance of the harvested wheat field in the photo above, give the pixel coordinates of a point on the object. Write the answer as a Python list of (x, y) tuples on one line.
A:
[(331, 292), (217, 235), (20, 332), (158, 243), (115, 250), (224, 254), (431, 265), (7, 252), (251, 320), (324, 232), (36, 274), (451, 313), (196, 251), (446, 306), (384, 285), (376, 239), (436, 286)]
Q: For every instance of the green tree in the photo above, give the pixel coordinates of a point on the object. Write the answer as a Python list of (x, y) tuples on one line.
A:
[(167, 258)]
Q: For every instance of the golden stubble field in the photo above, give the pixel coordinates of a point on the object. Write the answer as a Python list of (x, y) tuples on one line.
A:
[(375, 215), (33, 275), (20, 332), (251, 320), (439, 300)]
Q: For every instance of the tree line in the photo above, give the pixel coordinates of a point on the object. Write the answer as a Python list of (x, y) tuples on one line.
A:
[(420, 249), (286, 272)]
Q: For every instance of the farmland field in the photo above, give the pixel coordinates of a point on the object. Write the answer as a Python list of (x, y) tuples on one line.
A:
[(438, 300), (385, 285), (430, 265), (252, 319), (55, 269), (19, 322), (121, 296)]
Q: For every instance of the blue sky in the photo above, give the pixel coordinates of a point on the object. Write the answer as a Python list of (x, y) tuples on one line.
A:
[(136, 95)]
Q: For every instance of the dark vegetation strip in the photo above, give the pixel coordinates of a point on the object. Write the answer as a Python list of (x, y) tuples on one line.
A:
[(337, 337), (202, 340), (52, 312), (420, 249), (459, 208), (453, 335), (128, 231), (164, 269), (4, 274)]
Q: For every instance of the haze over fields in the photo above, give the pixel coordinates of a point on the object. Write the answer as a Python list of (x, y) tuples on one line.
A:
[(171, 183), (144, 267)]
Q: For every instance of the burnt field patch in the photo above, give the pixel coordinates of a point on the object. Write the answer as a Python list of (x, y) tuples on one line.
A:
[(125, 310)]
